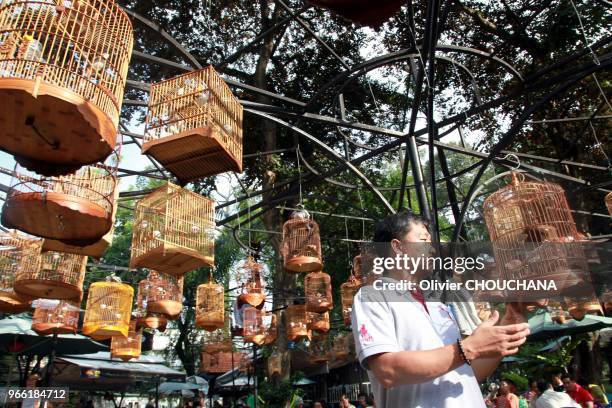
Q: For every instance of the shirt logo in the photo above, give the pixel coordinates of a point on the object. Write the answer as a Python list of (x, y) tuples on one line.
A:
[(365, 336)]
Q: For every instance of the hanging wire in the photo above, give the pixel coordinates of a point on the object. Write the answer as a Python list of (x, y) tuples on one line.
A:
[(348, 246), (586, 41), (297, 153), (599, 145), (363, 228)]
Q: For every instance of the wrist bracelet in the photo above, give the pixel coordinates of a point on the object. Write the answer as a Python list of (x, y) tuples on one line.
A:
[(462, 353)]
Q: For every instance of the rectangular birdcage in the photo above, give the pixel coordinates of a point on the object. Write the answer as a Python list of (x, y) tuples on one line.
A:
[(173, 231), (219, 358), (194, 126)]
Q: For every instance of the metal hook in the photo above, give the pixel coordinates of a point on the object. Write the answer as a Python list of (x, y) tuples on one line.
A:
[(516, 160)]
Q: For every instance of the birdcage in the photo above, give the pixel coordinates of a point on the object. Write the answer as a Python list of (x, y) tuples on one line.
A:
[(219, 358), (194, 126), (318, 322), (578, 308), (76, 209), (319, 349), (301, 246), (357, 266), (276, 361), (609, 202), (557, 313), (483, 310), (17, 251), (127, 348), (347, 292), (210, 306), (173, 231), (55, 316), (156, 321), (259, 327), (63, 67), (108, 311), (165, 294), (317, 286), (250, 280), (364, 12), (533, 233), (341, 347), (296, 322)]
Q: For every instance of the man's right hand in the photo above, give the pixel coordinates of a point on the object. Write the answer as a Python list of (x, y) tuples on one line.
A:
[(490, 341)]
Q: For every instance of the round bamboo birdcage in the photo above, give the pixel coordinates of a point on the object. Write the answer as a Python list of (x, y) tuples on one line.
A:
[(59, 276), (153, 321), (108, 311), (173, 231), (296, 323), (55, 316), (318, 322), (579, 308), (532, 230), (251, 283), (259, 327), (164, 294), (65, 65), (608, 201), (127, 348), (341, 347), (319, 349), (76, 209), (363, 12), (318, 289), (17, 251), (194, 126), (301, 245), (347, 292), (276, 361), (210, 306)]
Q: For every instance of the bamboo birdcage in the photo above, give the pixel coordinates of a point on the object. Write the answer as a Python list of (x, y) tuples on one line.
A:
[(173, 231), (259, 327), (194, 126), (301, 246), (532, 230), (108, 311), (143, 317), (363, 12), (63, 67), (59, 276), (318, 290), (250, 280), (156, 321), (557, 313), (218, 357), (318, 322), (347, 292), (296, 323), (341, 347), (129, 347), (210, 306), (165, 294), (55, 316), (319, 349), (578, 308), (17, 252), (76, 209), (608, 201)]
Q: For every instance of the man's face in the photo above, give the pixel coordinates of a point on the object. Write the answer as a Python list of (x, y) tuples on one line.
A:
[(415, 244), (362, 400), (569, 384), (504, 388)]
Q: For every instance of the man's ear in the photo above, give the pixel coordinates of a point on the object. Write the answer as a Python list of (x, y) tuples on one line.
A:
[(396, 247)]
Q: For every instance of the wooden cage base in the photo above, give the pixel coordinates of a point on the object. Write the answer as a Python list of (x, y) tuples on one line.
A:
[(95, 250), (126, 356), (70, 219), (319, 327), (258, 339), (153, 322), (303, 264), (11, 302), (192, 154), (172, 260), (104, 332), (205, 324), (165, 307), (47, 289), (322, 307), (51, 130), (253, 299), (45, 329)]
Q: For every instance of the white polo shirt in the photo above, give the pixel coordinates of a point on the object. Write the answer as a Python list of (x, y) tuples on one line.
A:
[(392, 321)]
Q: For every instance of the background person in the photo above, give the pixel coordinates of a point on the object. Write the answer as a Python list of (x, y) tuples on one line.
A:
[(577, 392), (506, 397), (345, 402), (549, 398)]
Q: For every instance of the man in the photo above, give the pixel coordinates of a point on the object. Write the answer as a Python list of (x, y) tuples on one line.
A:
[(362, 401), (320, 404), (412, 349), (345, 402), (557, 384), (507, 398), (549, 398), (577, 392)]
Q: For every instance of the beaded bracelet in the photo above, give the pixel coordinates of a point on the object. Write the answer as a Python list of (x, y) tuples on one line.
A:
[(462, 353)]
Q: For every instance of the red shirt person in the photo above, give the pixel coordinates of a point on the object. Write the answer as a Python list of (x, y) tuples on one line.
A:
[(577, 392)]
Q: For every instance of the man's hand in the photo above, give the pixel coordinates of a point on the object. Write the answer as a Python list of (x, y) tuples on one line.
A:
[(516, 312), (490, 341)]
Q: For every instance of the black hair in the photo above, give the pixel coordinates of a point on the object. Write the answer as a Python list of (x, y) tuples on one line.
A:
[(362, 394), (322, 402), (395, 226), (543, 385), (569, 377)]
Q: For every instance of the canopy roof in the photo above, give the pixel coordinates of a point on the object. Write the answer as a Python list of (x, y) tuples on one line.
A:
[(543, 328)]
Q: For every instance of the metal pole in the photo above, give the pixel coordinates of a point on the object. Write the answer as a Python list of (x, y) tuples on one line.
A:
[(255, 375), (51, 360), (157, 393)]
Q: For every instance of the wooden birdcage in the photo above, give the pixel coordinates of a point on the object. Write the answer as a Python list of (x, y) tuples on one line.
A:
[(127, 348), (364, 12), (55, 316), (76, 209), (194, 126), (173, 231), (532, 230), (17, 251), (608, 201), (219, 358), (347, 292), (357, 266), (578, 308), (557, 313), (59, 276), (250, 280), (319, 349), (153, 321), (63, 67), (341, 347), (165, 294), (259, 327), (108, 311), (210, 306), (318, 322), (296, 323), (301, 246), (317, 286), (276, 362)]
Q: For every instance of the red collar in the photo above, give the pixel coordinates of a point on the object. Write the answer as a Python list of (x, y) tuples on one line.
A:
[(420, 298)]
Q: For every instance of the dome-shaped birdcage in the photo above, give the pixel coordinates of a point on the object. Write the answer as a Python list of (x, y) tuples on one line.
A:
[(173, 231), (608, 201), (578, 308), (210, 306), (55, 316), (296, 323), (127, 348), (164, 294), (17, 252), (194, 126), (341, 346), (251, 283), (319, 349), (301, 246), (108, 310), (76, 209), (59, 276), (533, 234), (65, 65), (318, 290), (259, 327), (318, 322), (347, 292), (364, 12)]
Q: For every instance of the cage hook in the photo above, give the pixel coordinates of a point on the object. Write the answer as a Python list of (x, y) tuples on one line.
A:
[(516, 160)]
